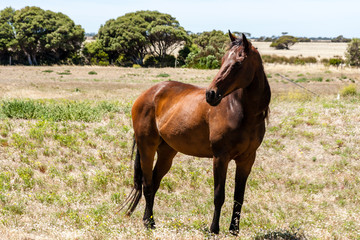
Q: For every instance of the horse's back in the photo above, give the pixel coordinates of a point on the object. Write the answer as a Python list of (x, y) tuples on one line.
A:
[(164, 93)]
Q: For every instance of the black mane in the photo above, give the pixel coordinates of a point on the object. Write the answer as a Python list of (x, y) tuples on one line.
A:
[(237, 42)]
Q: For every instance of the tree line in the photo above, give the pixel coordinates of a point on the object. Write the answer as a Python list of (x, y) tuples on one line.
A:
[(35, 36)]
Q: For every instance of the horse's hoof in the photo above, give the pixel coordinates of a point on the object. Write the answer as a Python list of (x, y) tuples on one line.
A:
[(234, 230), (149, 223), (214, 230)]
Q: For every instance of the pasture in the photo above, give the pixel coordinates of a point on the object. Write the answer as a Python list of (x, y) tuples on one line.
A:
[(65, 167), (306, 49)]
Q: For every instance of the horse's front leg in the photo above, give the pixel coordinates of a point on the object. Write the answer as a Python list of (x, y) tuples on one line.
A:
[(243, 168), (220, 165)]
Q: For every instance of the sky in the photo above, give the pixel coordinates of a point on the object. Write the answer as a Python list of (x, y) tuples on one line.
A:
[(306, 18)]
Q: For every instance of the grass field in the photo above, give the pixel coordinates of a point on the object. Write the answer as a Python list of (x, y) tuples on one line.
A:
[(65, 167), (319, 50)]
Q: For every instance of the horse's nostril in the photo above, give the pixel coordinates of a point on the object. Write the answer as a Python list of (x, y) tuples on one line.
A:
[(210, 95), (212, 98)]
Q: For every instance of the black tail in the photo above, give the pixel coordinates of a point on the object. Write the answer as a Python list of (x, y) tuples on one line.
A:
[(136, 193)]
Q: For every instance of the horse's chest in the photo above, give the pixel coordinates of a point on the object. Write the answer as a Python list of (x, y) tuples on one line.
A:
[(237, 138)]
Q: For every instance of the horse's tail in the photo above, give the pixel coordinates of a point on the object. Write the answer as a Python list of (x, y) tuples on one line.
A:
[(136, 193)]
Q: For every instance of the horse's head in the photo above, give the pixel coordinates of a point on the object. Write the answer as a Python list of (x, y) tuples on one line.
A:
[(237, 69)]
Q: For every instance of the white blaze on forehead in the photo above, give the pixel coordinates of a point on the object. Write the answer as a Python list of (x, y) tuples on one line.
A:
[(231, 53)]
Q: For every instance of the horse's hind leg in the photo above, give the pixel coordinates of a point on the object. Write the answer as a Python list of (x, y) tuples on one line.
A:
[(162, 166), (147, 147)]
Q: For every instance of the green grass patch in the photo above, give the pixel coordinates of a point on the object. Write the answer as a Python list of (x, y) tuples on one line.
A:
[(55, 110), (92, 73), (65, 72), (317, 79), (163, 75), (303, 79)]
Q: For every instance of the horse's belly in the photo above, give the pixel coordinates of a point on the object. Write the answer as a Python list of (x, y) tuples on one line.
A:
[(190, 142)]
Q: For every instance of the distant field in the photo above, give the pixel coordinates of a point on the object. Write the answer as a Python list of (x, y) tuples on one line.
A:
[(65, 167), (306, 49), (75, 82)]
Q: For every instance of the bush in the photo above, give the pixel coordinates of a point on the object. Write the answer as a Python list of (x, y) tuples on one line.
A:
[(353, 52), (340, 38), (94, 54), (210, 62), (284, 42), (335, 61), (207, 50), (298, 60), (167, 61), (183, 54), (349, 90), (101, 58)]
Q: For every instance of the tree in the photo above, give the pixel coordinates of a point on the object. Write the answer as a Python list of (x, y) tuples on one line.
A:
[(208, 50), (135, 35), (216, 39), (93, 53), (284, 42), (7, 33), (340, 38), (165, 35), (353, 52), (46, 35)]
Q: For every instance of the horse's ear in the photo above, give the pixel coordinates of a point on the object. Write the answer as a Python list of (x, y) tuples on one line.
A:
[(232, 36), (245, 43)]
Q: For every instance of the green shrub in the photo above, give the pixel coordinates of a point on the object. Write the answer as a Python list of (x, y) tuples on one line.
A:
[(166, 61), (92, 73), (335, 61), (151, 61), (353, 52), (298, 60), (284, 42), (211, 62), (101, 58), (349, 90)]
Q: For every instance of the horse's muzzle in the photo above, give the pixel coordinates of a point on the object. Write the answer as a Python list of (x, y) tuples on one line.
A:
[(213, 98)]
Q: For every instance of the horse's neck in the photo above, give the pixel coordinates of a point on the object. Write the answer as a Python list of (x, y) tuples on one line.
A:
[(256, 96)]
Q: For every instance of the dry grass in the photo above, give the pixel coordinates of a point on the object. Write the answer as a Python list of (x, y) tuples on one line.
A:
[(319, 50), (65, 180)]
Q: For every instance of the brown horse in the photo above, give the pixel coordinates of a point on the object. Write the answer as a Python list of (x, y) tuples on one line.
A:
[(225, 122)]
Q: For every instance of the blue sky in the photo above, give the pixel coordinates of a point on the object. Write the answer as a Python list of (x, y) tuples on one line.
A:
[(309, 18)]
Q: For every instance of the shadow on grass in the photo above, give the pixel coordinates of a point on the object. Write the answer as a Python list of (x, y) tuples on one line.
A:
[(281, 235)]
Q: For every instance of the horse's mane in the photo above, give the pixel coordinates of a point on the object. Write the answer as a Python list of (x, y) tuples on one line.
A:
[(237, 42)]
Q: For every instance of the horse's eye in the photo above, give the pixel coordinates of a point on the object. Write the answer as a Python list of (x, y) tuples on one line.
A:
[(236, 64)]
